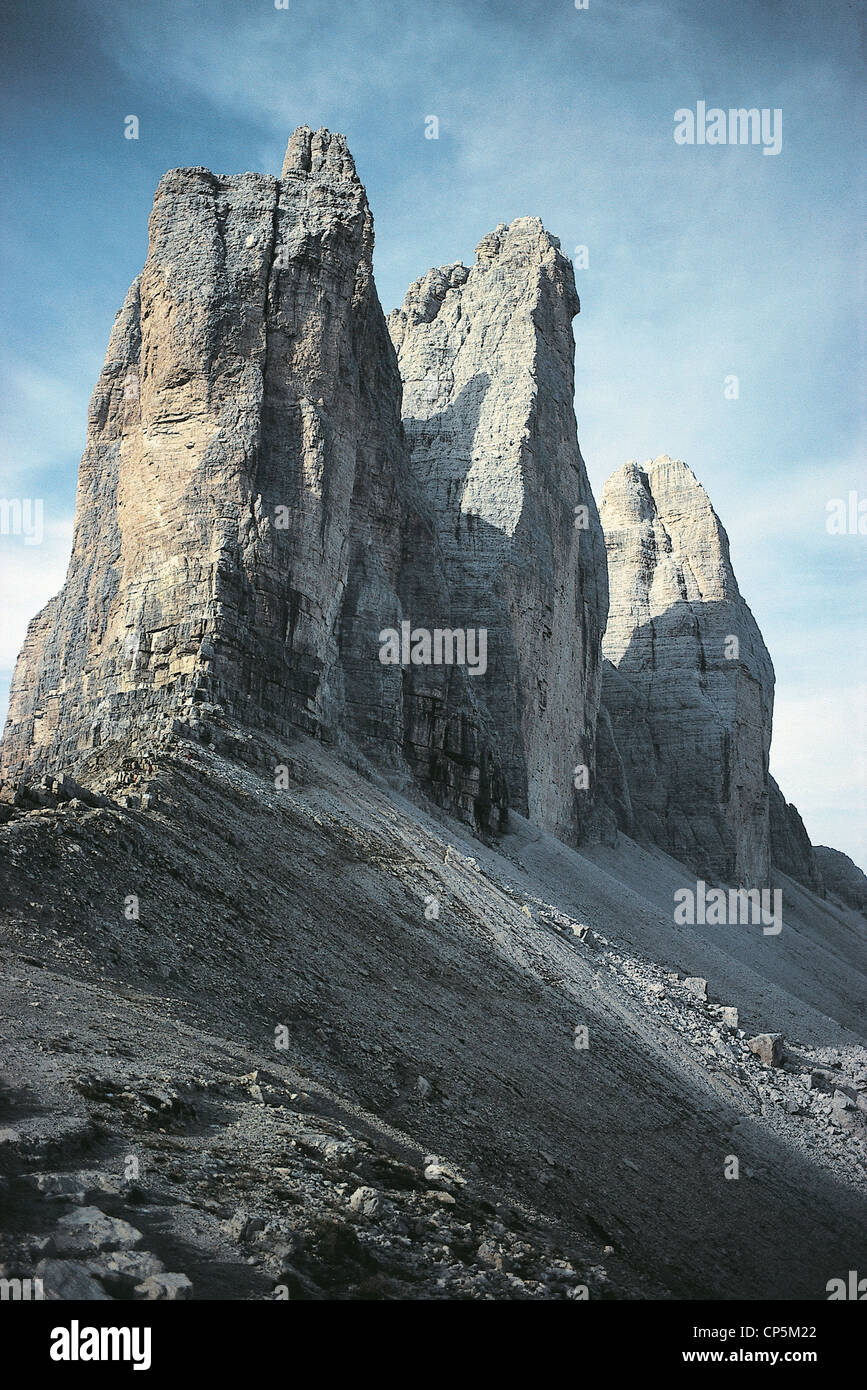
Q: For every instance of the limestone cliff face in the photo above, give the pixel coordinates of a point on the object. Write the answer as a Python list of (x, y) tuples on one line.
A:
[(487, 359), (245, 522), (690, 708), (261, 496)]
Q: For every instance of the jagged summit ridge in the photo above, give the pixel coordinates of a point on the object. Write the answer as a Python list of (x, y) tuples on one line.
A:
[(510, 248), (320, 152)]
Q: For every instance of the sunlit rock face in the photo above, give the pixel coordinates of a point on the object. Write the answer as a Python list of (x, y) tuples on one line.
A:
[(245, 521)]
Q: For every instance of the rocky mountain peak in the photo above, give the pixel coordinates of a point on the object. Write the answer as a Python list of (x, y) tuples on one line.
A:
[(317, 982), (487, 360), (521, 251), (662, 508), (274, 477), (690, 685), (246, 524), (319, 152)]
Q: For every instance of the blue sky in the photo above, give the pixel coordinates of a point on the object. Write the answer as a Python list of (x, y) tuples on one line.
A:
[(704, 261)]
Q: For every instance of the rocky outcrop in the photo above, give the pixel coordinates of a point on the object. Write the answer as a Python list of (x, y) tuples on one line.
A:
[(842, 877), (486, 354), (791, 850), (245, 524), (691, 694), (261, 499)]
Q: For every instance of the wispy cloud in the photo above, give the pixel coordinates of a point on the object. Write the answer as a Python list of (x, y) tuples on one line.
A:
[(29, 576), (59, 404)]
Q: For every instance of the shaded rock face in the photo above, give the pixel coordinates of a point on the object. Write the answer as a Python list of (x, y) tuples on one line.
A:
[(842, 877), (245, 523), (690, 710), (487, 359), (791, 850), (612, 782)]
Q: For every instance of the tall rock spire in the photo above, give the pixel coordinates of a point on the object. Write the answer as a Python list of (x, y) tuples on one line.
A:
[(210, 548), (690, 687), (487, 359), (244, 501), (320, 152)]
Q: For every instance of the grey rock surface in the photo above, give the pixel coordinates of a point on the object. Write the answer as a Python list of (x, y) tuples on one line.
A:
[(168, 1287), (357, 1050), (486, 354), (245, 523), (842, 876), (89, 1230), (538, 1168), (691, 723), (791, 850), (70, 1280)]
